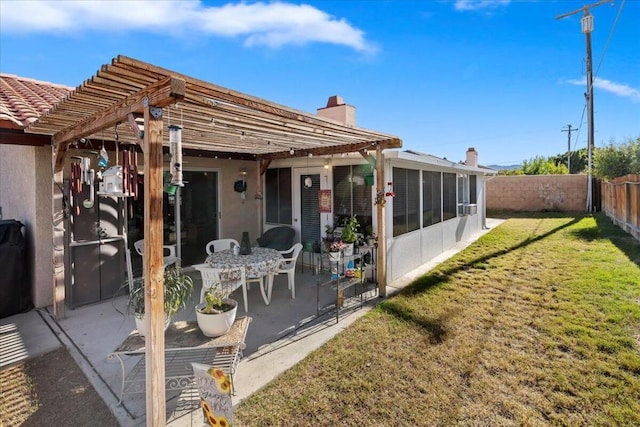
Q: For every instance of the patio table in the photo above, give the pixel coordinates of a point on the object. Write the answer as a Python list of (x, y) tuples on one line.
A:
[(259, 263)]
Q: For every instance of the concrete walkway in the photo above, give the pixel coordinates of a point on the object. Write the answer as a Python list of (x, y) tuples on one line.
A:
[(276, 340)]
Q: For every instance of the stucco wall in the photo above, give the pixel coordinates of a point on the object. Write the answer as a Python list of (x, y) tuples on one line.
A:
[(25, 195), (537, 193)]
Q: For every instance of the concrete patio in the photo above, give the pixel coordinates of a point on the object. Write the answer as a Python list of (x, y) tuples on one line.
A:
[(279, 336)]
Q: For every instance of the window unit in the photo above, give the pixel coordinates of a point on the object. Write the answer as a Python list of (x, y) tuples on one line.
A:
[(406, 203), (278, 201), (431, 198), (449, 205), (467, 194), (352, 195)]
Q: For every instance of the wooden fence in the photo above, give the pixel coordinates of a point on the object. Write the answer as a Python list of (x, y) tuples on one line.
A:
[(621, 203)]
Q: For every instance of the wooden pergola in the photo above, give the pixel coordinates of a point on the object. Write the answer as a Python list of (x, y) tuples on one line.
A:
[(145, 99)]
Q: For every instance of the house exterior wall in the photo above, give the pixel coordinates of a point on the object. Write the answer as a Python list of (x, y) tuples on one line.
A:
[(537, 193), (25, 195), (408, 251)]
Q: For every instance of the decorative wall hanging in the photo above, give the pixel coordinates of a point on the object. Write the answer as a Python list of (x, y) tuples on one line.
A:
[(324, 200)]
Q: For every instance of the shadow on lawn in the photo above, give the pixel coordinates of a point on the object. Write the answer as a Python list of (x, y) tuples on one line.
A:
[(435, 327), (606, 229)]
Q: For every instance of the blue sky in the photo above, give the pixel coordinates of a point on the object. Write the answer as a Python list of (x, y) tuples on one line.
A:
[(502, 76)]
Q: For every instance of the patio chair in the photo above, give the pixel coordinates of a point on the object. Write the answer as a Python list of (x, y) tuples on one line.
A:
[(230, 278), (288, 266), (220, 245), (170, 251), (278, 238)]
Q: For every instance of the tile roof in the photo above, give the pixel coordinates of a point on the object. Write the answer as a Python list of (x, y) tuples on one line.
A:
[(23, 100)]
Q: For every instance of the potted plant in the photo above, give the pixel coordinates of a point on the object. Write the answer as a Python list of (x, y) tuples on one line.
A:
[(217, 313), (349, 234), (334, 249), (177, 291)]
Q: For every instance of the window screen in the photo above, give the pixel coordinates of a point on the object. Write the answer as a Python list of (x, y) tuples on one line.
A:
[(278, 196), (431, 198), (406, 203)]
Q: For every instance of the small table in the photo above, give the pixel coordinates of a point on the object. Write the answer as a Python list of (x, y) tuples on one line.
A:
[(259, 263), (184, 343)]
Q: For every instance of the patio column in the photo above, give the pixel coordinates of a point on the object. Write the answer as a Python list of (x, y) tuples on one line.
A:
[(153, 267), (381, 261)]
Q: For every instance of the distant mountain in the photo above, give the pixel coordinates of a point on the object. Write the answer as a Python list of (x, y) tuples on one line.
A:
[(504, 167)]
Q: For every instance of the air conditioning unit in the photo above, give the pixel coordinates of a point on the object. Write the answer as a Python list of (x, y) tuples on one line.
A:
[(470, 209)]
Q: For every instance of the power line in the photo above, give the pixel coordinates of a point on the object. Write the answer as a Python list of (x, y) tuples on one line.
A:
[(610, 36)]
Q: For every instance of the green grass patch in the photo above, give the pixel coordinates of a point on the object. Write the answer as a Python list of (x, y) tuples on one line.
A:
[(536, 323)]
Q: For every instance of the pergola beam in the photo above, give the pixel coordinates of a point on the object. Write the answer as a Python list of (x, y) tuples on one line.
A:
[(165, 92), (336, 149)]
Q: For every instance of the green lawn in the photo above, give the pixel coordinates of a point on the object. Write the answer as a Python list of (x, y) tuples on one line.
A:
[(536, 323)]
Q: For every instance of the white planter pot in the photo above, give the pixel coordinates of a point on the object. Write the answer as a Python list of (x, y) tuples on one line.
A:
[(214, 325), (334, 256), (141, 324), (348, 249)]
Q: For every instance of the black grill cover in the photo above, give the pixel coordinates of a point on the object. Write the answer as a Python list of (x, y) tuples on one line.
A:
[(15, 289)]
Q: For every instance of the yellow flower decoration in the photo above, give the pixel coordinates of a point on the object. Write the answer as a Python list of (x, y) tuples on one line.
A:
[(223, 381), (224, 385)]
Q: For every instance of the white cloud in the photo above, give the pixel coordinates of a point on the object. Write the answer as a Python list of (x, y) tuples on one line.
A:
[(618, 89), (466, 5), (268, 24)]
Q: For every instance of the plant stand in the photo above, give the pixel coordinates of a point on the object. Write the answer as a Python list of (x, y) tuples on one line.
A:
[(184, 344), (351, 293)]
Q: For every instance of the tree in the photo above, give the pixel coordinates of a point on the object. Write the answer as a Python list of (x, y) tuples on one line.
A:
[(616, 160), (579, 160), (541, 165)]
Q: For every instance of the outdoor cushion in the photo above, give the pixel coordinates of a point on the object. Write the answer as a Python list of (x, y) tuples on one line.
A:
[(279, 238)]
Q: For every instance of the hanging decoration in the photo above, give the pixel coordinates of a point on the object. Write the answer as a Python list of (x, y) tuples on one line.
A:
[(308, 182), (324, 201), (240, 186), (390, 192), (175, 149), (75, 183), (121, 181)]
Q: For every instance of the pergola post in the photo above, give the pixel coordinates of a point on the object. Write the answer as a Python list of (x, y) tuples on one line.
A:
[(58, 243), (153, 267), (381, 260)]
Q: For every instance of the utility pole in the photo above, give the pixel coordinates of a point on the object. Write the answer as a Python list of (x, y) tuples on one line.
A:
[(568, 146), (587, 28)]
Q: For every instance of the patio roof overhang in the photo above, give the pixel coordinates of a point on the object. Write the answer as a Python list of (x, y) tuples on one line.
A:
[(216, 121)]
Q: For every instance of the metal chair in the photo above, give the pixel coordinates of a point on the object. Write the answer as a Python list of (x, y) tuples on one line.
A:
[(220, 245), (170, 251), (288, 266), (229, 279)]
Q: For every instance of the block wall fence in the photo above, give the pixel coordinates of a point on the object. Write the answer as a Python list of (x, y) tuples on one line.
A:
[(537, 193)]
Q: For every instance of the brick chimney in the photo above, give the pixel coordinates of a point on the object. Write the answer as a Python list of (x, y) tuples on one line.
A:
[(336, 109), (472, 157)]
